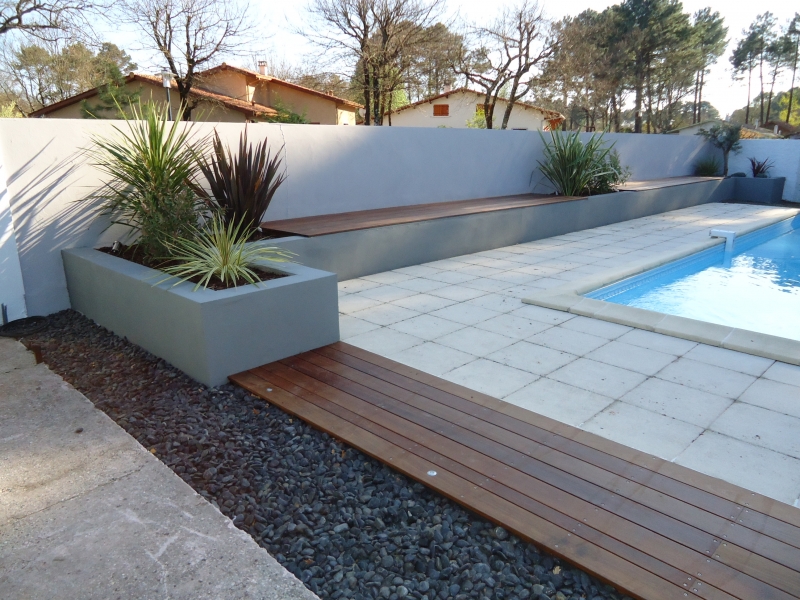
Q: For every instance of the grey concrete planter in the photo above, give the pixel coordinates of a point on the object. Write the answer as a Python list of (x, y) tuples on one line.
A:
[(759, 189), (207, 334)]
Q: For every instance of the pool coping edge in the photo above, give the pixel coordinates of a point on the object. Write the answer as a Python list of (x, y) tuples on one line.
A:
[(569, 298)]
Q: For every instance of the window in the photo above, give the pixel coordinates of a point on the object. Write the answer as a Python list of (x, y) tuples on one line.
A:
[(441, 110)]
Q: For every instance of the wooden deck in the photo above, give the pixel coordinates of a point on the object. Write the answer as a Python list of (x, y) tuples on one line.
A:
[(397, 215), (653, 529)]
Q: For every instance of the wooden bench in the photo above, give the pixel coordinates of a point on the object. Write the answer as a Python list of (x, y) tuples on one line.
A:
[(651, 528)]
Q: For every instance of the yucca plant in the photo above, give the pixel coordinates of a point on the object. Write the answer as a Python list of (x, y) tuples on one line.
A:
[(219, 253), (707, 167), (151, 168), (242, 185), (571, 165)]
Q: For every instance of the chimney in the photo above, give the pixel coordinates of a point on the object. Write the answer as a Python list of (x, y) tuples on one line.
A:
[(262, 67)]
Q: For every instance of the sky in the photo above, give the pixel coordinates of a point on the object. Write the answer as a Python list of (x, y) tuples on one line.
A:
[(281, 19)]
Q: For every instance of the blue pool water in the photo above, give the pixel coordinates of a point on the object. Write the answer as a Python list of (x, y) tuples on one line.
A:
[(755, 287)]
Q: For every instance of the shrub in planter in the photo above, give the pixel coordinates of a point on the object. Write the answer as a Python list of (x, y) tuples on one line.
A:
[(726, 137), (576, 168), (760, 168), (219, 254), (242, 186), (151, 167)]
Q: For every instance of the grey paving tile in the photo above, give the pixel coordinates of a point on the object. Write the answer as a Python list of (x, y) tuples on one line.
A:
[(780, 397), (465, 313), (426, 327), (432, 358), (532, 358), (451, 277), (498, 302), (389, 277), (385, 314), (761, 427), (559, 401), (784, 373), (420, 284), (657, 341), (677, 401), (545, 315), (567, 340), (351, 286), (352, 326), (730, 359), (457, 293), (384, 341), (644, 430), (707, 378), (634, 358), (597, 327), (386, 293), (490, 377), (752, 467), (475, 341), (598, 377), (513, 326), (353, 302), (424, 303)]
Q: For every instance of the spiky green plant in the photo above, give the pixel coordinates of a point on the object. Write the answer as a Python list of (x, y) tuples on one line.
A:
[(707, 167), (219, 252), (572, 165), (242, 185), (151, 164)]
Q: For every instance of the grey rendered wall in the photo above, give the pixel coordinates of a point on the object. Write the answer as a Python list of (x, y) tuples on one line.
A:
[(207, 334), (357, 253), (330, 169)]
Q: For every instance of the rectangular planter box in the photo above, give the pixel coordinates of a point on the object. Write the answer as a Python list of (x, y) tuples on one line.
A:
[(759, 189), (206, 334)]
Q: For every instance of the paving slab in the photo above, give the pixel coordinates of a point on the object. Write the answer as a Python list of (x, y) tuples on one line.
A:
[(86, 512)]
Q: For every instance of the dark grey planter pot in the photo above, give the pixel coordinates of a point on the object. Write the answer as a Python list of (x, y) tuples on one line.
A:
[(206, 334), (768, 190)]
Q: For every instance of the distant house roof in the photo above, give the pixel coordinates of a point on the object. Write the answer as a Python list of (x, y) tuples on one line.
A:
[(692, 125), (551, 115), (250, 108), (289, 84)]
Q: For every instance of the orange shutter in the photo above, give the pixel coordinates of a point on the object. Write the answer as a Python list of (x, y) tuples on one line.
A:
[(441, 110)]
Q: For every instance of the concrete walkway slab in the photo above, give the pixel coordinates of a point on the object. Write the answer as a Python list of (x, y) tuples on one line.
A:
[(86, 512)]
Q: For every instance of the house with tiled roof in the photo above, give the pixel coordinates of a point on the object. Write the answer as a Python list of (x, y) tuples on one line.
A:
[(455, 108), (227, 94)]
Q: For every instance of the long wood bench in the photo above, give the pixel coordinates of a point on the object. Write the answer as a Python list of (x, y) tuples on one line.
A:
[(397, 215), (653, 529)]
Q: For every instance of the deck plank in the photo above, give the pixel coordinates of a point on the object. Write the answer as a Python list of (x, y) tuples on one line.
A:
[(648, 532)]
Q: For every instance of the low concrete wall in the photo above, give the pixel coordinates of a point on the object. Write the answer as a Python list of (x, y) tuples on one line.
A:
[(357, 253), (207, 334)]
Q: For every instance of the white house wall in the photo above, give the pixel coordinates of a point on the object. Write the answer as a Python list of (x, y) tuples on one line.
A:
[(462, 109), (330, 169)]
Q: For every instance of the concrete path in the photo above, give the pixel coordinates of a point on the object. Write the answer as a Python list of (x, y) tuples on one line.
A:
[(86, 512), (731, 415)]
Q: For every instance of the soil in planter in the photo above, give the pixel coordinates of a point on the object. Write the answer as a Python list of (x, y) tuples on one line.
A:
[(130, 253), (346, 525)]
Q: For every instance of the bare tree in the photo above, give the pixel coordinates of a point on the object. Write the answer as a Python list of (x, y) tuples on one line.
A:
[(379, 36), (42, 18), (504, 55), (190, 35)]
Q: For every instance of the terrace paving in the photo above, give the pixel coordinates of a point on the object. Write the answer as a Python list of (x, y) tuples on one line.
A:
[(724, 413), (87, 512)]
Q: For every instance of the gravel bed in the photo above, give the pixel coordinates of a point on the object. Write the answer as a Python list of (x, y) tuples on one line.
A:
[(343, 523)]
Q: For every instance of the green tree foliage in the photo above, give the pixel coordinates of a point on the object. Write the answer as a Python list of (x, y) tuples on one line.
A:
[(41, 74), (647, 51)]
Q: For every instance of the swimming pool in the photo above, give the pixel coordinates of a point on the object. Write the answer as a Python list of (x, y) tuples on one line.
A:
[(756, 286)]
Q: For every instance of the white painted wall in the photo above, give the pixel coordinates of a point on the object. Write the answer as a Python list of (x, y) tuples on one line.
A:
[(330, 169), (462, 109), (12, 289)]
